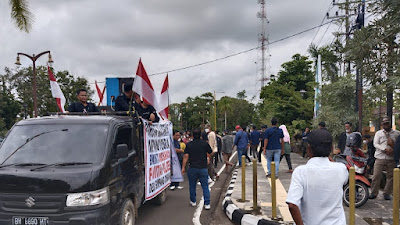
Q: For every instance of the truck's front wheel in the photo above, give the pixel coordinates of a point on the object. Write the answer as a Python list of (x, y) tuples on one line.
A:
[(128, 213)]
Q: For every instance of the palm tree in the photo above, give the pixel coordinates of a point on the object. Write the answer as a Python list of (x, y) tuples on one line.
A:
[(21, 14), (330, 59)]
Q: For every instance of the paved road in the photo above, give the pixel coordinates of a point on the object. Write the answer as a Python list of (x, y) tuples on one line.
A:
[(176, 210)]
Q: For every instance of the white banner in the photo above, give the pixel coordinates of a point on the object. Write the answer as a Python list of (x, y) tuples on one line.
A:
[(157, 148)]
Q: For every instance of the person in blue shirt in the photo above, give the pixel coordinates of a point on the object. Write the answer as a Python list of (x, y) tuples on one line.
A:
[(242, 143), (254, 141), (274, 146)]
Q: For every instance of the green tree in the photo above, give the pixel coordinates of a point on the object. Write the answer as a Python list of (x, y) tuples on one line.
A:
[(375, 48), (330, 59), (289, 98), (21, 84), (9, 109), (21, 14), (197, 111), (297, 73), (337, 104)]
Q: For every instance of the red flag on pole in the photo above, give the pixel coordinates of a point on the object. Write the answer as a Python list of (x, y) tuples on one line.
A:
[(56, 91), (99, 92), (142, 86), (164, 99)]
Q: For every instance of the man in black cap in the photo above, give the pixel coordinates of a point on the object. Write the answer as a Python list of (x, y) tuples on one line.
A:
[(322, 125), (82, 105), (125, 101), (314, 197)]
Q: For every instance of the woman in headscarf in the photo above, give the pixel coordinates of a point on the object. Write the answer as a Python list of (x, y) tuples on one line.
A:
[(286, 139)]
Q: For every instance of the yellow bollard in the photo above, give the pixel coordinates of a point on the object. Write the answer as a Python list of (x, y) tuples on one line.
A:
[(273, 190), (352, 196), (396, 195), (243, 178), (255, 207)]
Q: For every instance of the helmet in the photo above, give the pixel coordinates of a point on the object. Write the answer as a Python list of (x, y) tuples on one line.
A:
[(354, 140)]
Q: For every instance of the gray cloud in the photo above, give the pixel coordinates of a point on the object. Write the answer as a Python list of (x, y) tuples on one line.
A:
[(99, 39)]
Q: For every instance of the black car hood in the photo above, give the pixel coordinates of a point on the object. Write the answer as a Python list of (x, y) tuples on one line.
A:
[(46, 180)]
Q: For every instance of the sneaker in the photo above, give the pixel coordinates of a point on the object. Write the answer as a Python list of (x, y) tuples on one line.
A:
[(269, 176), (192, 203), (387, 197), (208, 207), (179, 187), (172, 188), (372, 196), (198, 183)]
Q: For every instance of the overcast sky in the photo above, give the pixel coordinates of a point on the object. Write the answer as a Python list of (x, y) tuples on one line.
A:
[(100, 38)]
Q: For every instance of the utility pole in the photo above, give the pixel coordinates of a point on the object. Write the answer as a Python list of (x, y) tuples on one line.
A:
[(347, 7), (359, 79)]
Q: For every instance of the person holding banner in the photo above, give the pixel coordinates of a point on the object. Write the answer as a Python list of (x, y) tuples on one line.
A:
[(197, 152), (179, 152)]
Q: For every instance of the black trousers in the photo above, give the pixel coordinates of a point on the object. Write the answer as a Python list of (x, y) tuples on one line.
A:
[(288, 160), (259, 154)]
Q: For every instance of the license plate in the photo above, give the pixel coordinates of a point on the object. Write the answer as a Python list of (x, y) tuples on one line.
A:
[(17, 220)]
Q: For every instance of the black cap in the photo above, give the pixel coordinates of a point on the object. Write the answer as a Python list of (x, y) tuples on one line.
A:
[(322, 124), (264, 126), (128, 87), (385, 120), (319, 137)]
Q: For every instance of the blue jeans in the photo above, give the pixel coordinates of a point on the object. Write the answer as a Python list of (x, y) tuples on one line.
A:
[(195, 174), (277, 155), (241, 152)]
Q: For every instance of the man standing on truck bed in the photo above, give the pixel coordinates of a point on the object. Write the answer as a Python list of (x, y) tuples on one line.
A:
[(82, 105), (197, 152), (124, 101)]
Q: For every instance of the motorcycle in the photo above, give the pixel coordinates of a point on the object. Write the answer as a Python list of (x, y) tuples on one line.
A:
[(361, 184)]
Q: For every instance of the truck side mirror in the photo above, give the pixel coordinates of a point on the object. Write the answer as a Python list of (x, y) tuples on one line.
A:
[(122, 151)]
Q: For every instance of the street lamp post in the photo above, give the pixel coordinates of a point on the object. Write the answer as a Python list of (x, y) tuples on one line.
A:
[(34, 58)]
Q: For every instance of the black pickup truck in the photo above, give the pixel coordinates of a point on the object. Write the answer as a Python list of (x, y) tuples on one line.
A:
[(72, 170)]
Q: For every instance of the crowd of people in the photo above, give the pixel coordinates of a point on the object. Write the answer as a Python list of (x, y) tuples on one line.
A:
[(200, 152), (307, 203)]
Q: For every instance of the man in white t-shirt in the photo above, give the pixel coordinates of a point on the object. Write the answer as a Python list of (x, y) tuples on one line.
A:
[(316, 189)]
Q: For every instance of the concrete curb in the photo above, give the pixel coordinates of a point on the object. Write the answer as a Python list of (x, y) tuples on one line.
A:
[(239, 216)]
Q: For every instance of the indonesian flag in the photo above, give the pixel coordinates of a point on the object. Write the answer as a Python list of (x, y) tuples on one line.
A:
[(164, 100), (56, 91), (143, 87), (99, 92)]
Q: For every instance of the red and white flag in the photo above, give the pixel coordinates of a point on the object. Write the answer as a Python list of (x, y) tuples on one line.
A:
[(99, 92), (143, 87), (164, 100), (56, 91)]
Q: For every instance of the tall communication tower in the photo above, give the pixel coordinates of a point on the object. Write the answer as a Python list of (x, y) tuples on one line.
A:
[(264, 41)]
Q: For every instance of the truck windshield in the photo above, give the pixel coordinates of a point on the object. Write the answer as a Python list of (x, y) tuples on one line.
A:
[(55, 143)]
